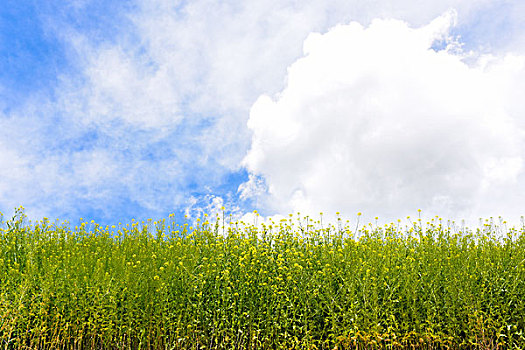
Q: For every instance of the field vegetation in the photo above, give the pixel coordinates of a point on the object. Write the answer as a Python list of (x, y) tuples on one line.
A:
[(294, 284)]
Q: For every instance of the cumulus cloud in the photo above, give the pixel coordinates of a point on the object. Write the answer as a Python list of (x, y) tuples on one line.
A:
[(202, 64), (149, 114), (375, 119)]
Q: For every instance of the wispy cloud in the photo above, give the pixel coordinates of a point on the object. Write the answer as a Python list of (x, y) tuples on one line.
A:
[(142, 107)]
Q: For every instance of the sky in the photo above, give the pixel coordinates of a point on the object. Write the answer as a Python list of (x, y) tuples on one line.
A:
[(120, 110)]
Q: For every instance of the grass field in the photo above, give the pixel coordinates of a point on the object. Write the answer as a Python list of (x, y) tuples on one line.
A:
[(295, 284)]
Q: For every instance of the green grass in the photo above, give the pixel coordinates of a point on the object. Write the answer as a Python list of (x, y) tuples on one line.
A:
[(294, 284)]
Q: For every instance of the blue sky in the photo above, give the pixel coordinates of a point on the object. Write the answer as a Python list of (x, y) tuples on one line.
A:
[(112, 110)]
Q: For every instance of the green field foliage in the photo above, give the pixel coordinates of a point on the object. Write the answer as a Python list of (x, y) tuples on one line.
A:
[(293, 284)]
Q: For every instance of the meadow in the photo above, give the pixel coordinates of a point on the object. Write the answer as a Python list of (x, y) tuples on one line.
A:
[(293, 284)]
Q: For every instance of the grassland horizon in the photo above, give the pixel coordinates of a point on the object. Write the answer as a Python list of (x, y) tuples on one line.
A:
[(292, 284)]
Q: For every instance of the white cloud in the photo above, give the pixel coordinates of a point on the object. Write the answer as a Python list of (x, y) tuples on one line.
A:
[(185, 74), (178, 65), (119, 86), (373, 119), (212, 206)]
